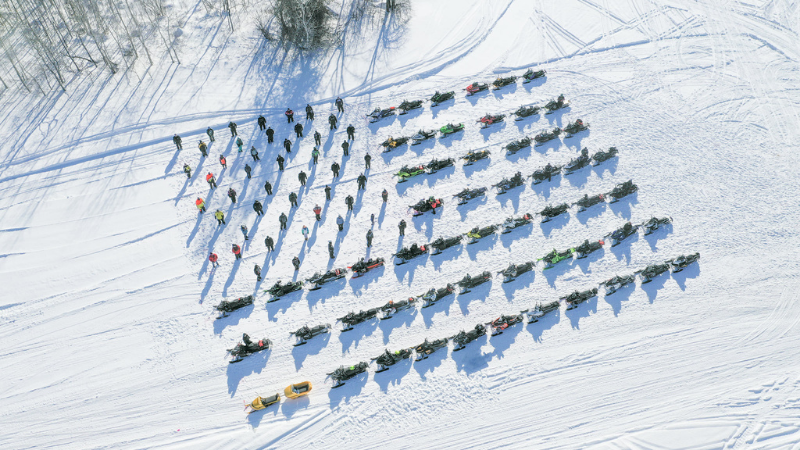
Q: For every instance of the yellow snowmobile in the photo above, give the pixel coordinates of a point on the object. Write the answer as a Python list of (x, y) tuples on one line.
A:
[(297, 390), (262, 402)]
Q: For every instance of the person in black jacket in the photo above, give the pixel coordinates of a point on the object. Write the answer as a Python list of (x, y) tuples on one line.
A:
[(317, 138), (298, 130), (287, 144), (280, 160), (335, 169), (270, 134), (309, 112), (332, 120), (351, 132), (268, 187), (262, 123)]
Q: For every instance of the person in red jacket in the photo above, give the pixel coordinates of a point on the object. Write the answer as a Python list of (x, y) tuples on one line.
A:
[(317, 212), (211, 181), (289, 115), (223, 162), (201, 205), (213, 258), (237, 251)]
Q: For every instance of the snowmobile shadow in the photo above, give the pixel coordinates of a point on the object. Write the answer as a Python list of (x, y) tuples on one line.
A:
[(622, 295), (579, 177), (610, 165), (502, 342), (556, 118), (591, 213), (622, 208), (537, 82), (403, 118), (654, 237), (290, 407), (443, 105), (471, 205), (394, 375), (330, 289), (488, 131), (474, 98), (359, 283), (549, 145), (420, 148), (521, 154), (483, 244), (254, 363), (509, 89), (409, 268), (623, 250), (282, 305), (547, 322), (517, 233), (477, 293), (399, 319), (525, 121), (426, 221), (652, 288), (583, 264), (512, 196), (558, 222), (576, 139), (554, 272), (482, 164), (359, 331), (442, 306), (231, 277), (545, 187), (433, 178), (232, 319), (385, 122), (448, 141), (311, 347), (470, 359), (352, 387), (581, 311), (255, 417), (688, 273), (520, 282), (430, 363), (449, 255)]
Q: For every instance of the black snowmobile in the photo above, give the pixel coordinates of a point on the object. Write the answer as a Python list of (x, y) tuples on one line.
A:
[(247, 347), (555, 257), (554, 105), (489, 120), (622, 190), (680, 263), (305, 333), (422, 135), (511, 272), (653, 271), (503, 82), (408, 253), (501, 323), (586, 202), (602, 156), (451, 128), (319, 279), (278, 289), (511, 223), (616, 282), (622, 233), (578, 163), (469, 282), (227, 307), (545, 136), (526, 111), (407, 106), (654, 223), (434, 295), (478, 233), (476, 87), (344, 373), (509, 183), (552, 211), (540, 310), (468, 194), (441, 97), (426, 348), (473, 157), (575, 127), (442, 244), (379, 114), (391, 143), (514, 147), (436, 165), (588, 247), (531, 75), (463, 338), (425, 205), (355, 318), (578, 297), (392, 307), (388, 359), (362, 267), (545, 173)]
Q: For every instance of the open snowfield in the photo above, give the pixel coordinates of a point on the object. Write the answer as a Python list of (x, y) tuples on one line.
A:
[(107, 321)]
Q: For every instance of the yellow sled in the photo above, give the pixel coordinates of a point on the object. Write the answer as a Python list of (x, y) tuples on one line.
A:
[(262, 402), (297, 390)]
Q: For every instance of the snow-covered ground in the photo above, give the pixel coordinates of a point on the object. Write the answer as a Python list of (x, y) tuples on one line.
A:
[(108, 330)]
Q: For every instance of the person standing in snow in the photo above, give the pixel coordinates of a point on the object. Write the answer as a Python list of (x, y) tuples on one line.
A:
[(220, 216), (349, 201), (236, 251), (212, 182), (304, 232), (187, 170), (269, 243), (254, 153), (280, 160), (351, 132), (289, 115), (283, 219), (232, 126), (346, 148), (340, 104), (332, 120), (302, 177), (298, 130), (244, 232), (201, 205), (223, 161), (232, 195), (213, 258), (318, 212), (385, 195), (202, 146), (258, 208), (369, 238), (309, 112), (293, 199), (330, 249), (210, 134), (177, 141), (367, 160), (327, 193), (317, 138), (335, 169), (270, 135), (268, 187), (296, 263), (248, 169), (239, 144), (262, 123), (257, 271), (340, 222), (402, 227), (315, 155), (362, 182), (287, 144)]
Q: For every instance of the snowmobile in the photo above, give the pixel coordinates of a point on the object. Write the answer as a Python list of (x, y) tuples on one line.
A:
[(555, 257), (541, 310), (514, 147), (587, 247), (461, 339), (362, 267), (393, 307), (247, 347), (511, 223), (550, 212), (576, 127), (509, 183), (531, 75), (425, 205), (545, 173), (305, 333), (545, 136), (511, 272), (476, 87), (469, 282), (436, 165), (442, 244), (379, 114), (501, 323), (344, 373), (297, 390), (578, 163), (586, 202), (622, 233), (503, 82), (614, 283), (451, 128), (356, 318), (473, 157), (468, 194), (680, 263), (319, 279), (426, 348), (578, 297), (440, 97), (602, 156), (653, 224), (434, 295), (408, 253), (262, 402), (554, 105), (422, 135), (388, 359), (407, 106), (479, 233), (391, 143), (526, 111), (278, 290), (653, 271), (409, 172), (226, 307), (488, 120), (622, 190)]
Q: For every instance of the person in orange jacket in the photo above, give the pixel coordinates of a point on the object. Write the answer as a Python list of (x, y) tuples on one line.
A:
[(211, 181), (223, 162), (201, 205), (213, 258)]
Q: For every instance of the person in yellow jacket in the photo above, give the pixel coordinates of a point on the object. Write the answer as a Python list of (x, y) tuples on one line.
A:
[(220, 217)]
